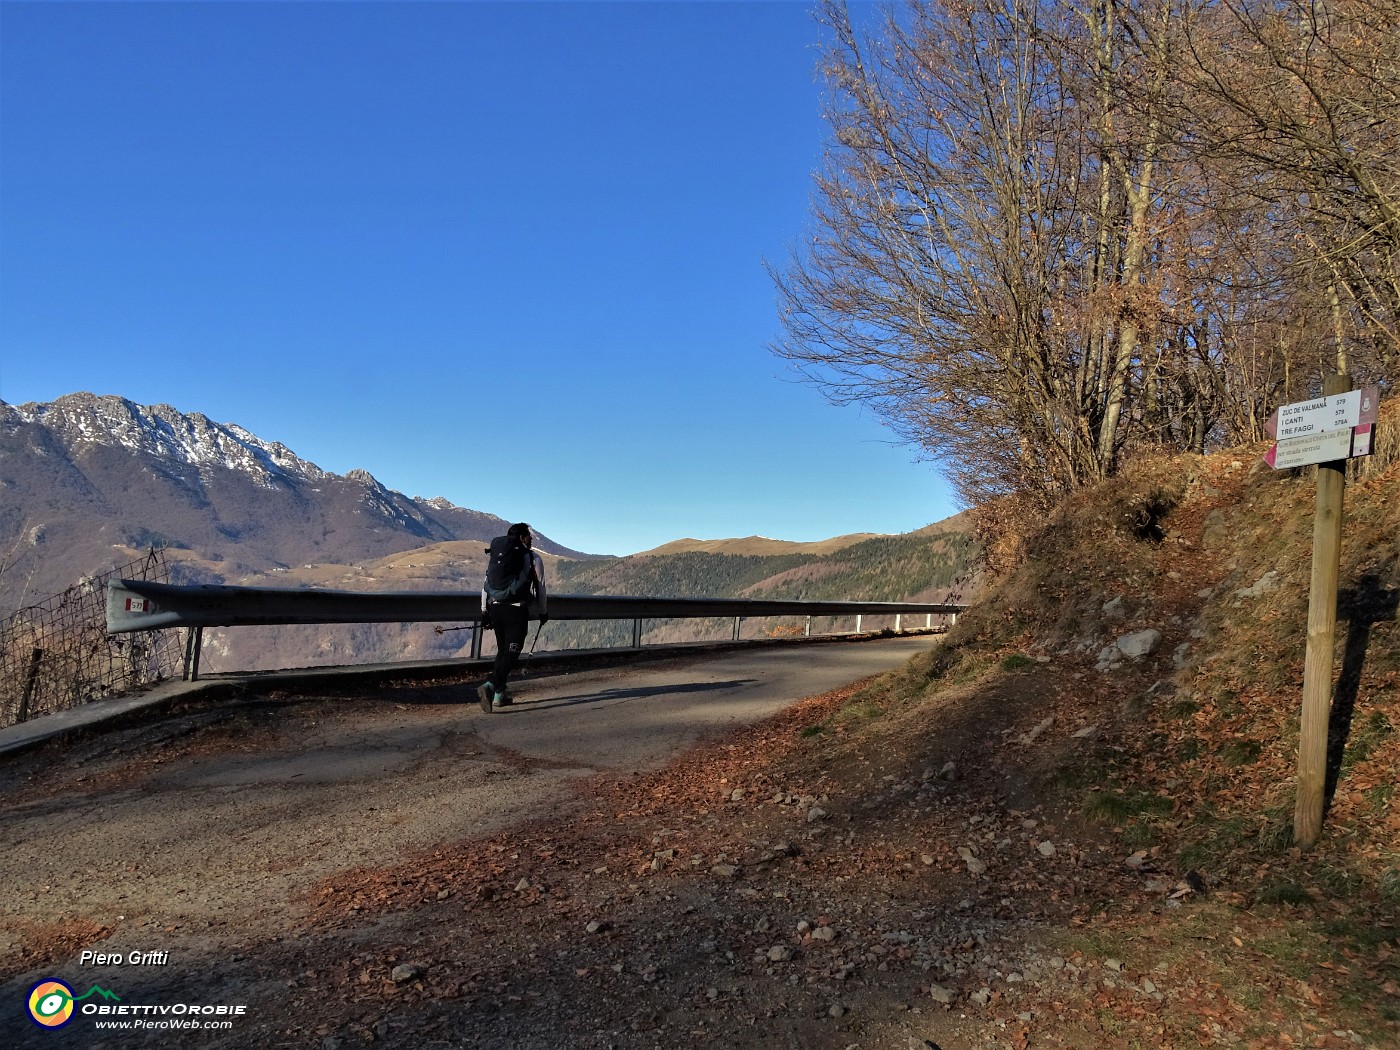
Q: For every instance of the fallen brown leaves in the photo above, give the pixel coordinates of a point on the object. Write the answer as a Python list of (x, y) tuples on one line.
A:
[(601, 833)]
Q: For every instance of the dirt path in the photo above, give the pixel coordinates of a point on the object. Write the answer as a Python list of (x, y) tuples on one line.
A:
[(205, 834)]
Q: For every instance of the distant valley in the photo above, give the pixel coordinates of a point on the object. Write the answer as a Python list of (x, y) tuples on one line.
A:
[(89, 482)]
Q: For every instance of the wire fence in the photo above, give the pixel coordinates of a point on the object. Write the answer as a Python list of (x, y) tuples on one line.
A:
[(57, 654)]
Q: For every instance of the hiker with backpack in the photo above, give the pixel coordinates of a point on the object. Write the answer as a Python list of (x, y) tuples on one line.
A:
[(514, 573)]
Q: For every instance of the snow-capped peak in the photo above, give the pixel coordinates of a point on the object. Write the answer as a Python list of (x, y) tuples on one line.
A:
[(167, 433)]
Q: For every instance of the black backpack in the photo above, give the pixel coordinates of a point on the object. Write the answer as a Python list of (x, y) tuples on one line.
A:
[(508, 570)]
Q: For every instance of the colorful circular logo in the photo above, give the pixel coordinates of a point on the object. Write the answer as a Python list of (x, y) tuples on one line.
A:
[(51, 1003)]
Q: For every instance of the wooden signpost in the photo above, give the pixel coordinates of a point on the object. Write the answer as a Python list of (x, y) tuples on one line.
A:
[(1327, 431)]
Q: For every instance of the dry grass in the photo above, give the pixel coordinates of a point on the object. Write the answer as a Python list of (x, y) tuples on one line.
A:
[(761, 545)]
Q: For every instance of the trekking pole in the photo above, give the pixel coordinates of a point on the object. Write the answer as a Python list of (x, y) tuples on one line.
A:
[(523, 667)]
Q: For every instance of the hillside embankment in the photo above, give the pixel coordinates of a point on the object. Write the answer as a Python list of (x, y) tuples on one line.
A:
[(1068, 826)]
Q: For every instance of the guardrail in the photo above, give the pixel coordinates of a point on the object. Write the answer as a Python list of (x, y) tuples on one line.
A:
[(138, 605)]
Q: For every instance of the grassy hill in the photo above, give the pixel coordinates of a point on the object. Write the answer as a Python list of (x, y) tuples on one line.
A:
[(880, 568), (921, 566), (759, 545)]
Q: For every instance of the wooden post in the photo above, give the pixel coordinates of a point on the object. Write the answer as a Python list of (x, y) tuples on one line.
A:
[(31, 676), (1322, 629)]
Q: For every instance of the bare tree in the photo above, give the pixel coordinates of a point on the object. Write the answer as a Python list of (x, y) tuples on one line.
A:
[(980, 264), (1304, 97), (1048, 233)]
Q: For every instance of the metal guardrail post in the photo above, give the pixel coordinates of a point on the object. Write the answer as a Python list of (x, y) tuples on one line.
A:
[(476, 641), (194, 641), (637, 633), (857, 623), (898, 619), (807, 628), (737, 621)]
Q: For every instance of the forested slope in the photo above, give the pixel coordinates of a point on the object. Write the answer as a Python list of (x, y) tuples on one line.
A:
[(886, 568)]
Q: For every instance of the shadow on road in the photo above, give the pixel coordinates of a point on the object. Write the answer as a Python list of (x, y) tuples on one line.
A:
[(634, 694)]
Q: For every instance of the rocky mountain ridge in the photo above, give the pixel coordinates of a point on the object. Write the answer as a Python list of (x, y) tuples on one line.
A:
[(87, 480), (165, 433)]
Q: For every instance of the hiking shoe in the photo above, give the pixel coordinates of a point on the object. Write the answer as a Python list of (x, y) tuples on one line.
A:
[(504, 699), (485, 694)]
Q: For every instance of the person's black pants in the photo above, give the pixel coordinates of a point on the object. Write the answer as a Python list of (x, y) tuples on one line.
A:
[(511, 624)]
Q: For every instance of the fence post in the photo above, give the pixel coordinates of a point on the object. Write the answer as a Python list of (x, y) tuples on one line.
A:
[(475, 652), (30, 678), (898, 619), (736, 627), (637, 633), (807, 630), (857, 623)]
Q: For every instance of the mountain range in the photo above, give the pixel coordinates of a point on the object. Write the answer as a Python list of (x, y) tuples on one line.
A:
[(88, 482)]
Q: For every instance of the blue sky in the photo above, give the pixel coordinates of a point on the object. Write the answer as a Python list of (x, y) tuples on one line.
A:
[(507, 253)]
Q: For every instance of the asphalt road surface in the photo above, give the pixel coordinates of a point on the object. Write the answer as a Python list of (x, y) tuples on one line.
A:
[(202, 834)]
